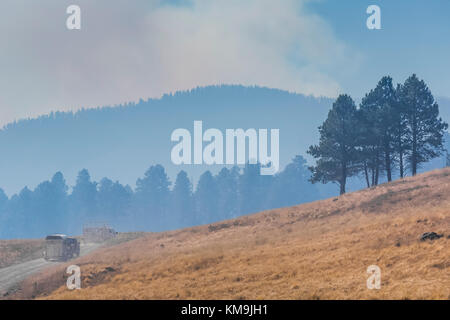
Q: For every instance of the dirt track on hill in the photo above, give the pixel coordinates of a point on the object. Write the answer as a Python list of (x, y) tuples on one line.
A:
[(13, 275)]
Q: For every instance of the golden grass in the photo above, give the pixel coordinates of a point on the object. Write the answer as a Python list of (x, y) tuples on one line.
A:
[(319, 250)]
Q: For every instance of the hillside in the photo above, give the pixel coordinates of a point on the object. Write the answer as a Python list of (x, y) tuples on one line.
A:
[(319, 250)]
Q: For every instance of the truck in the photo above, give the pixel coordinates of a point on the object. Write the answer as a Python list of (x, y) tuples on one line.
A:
[(59, 247), (97, 232)]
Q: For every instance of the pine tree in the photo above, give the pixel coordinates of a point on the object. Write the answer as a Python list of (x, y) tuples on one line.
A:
[(227, 184), (400, 131), (114, 202), (291, 186), (377, 139), (182, 206), (152, 195), (386, 99), (425, 128), (3, 201), (206, 197), (22, 223), (369, 140), (59, 198), (83, 204), (337, 154), (254, 189)]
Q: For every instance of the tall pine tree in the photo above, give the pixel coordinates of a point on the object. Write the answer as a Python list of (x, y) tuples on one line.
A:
[(206, 197), (425, 128), (182, 206), (152, 198), (337, 154)]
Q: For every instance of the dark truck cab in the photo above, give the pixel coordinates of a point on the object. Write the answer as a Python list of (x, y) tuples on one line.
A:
[(59, 247)]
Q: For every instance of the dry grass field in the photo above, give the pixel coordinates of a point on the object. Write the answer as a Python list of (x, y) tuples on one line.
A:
[(17, 251), (319, 250)]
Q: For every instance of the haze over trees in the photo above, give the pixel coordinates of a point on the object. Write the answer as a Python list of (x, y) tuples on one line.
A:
[(155, 204), (120, 142), (393, 132), (392, 128)]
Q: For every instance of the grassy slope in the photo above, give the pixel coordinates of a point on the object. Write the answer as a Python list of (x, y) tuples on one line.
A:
[(319, 250)]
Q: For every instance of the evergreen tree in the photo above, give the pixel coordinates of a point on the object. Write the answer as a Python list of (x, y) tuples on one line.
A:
[(369, 141), (249, 181), (152, 198), (337, 152), (206, 197), (227, 184), (254, 189), (83, 205), (50, 205), (182, 205), (3, 201), (377, 130), (59, 190), (400, 131), (104, 198), (425, 128), (21, 223), (114, 202), (291, 186), (386, 100), (44, 212)]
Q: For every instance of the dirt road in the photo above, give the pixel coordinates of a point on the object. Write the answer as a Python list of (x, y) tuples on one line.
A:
[(12, 275)]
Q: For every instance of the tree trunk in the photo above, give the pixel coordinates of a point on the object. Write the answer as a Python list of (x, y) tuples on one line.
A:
[(388, 166), (402, 169), (342, 190), (372, 174), (414, 159), (377, 172), (414, 148), (366, 173), (343, 179), (377, 175)]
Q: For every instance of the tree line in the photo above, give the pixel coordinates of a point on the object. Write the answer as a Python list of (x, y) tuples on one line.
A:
[(394, 128), (155, 204)]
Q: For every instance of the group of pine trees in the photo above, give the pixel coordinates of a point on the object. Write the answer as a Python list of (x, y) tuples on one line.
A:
[(155, 204), (394, 128)]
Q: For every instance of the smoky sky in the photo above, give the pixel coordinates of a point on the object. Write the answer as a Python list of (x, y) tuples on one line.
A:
[(127, 50)]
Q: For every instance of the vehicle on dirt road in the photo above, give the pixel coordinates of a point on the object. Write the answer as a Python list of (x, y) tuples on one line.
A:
[(59, 247), (97, 232)]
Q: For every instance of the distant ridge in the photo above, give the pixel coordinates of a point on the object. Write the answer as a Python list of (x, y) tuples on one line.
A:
[(122, 141)]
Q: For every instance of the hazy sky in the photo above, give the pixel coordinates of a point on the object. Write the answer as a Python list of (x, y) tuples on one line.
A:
[(131, 49)]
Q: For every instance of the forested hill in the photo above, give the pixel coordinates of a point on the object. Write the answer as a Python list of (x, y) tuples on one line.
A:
[(42, 158), (121, 142)]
